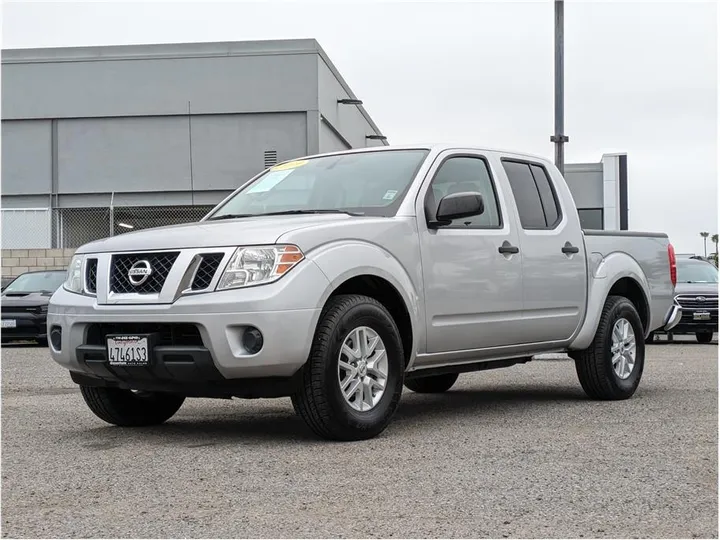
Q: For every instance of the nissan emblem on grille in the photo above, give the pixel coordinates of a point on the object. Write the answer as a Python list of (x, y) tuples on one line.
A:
[(139, 272), (700, 298)]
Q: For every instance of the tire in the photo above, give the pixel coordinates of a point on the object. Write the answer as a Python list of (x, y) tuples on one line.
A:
[(704, 337), (594, 365), (129, 409), (435, 384), (650, 339), (319, 400)]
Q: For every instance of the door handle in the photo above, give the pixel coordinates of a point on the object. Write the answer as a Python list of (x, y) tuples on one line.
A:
[(568, 248), (508, 249)]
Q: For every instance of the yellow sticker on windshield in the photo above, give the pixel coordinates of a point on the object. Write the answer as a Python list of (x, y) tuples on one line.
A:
[(289, 165)]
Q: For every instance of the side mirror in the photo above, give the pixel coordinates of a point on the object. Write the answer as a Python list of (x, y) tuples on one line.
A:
[(456, 206)]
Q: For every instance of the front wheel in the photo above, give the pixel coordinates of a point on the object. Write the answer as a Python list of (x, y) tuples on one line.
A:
[(127, 408), (611, 367), (351, 384), (703, 337)]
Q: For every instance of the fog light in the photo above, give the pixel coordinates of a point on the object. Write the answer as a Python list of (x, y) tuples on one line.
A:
[(56, 337), (252, 340)]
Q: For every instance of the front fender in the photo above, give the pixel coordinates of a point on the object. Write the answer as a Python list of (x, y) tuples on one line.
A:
[(606, 274), (341, 261)]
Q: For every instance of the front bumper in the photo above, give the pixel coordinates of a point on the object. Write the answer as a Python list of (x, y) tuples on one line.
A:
[(220, 318), (28, 325)]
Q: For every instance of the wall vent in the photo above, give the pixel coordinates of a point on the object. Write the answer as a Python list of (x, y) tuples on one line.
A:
[(270, 158)]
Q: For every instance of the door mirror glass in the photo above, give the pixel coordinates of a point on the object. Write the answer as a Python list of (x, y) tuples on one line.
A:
[(459, 205)]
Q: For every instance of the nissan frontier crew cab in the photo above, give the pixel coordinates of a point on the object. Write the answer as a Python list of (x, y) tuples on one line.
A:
[(338, 279)]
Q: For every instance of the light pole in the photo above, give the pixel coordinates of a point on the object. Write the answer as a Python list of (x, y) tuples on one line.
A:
[(559, 138)]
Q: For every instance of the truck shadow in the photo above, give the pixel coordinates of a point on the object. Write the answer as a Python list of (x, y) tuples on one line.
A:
[(206, 428), (489, 403)]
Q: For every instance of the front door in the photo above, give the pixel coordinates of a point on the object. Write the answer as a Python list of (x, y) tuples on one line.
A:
[(473, 292)]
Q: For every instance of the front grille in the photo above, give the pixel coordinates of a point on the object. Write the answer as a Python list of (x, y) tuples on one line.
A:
[(206, 271), (693, 302), (168, 334), (91, 275), (688, 317), (24, 309), (160, 264)]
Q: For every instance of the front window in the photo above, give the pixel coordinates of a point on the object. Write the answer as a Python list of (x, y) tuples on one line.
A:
[(688, 272), (36, 282), (367, 183)]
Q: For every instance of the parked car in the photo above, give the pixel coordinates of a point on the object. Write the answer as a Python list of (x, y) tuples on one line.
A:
[(697, 296), (25, 305), (337, 279)]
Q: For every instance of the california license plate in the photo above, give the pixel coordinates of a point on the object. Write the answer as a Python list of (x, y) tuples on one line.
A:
[(8, 323), (701, 316), (128, 350)]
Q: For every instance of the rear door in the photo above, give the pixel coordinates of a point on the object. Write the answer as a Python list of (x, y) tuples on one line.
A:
[(473, 291), (553, 253)]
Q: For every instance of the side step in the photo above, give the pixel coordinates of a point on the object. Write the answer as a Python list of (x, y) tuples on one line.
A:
[(465, 368)]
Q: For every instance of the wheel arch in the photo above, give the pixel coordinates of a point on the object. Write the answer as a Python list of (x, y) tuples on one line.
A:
[(360, 268), (621, 275)]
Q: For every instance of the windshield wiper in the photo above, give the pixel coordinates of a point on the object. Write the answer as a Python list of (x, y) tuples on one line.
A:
[(321, 211), (288, 213), (229, 216)]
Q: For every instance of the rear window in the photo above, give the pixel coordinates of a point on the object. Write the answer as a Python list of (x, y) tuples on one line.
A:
[(534, 195)]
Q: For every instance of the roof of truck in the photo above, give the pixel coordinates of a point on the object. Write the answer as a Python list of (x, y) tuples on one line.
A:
[(436, 148)]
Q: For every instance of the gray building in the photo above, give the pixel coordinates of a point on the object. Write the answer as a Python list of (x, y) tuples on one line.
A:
[(158, 133), (97, 141), (600, 192)]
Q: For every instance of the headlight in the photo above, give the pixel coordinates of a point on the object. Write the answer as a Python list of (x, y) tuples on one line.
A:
[(74, 280), (258, 265)]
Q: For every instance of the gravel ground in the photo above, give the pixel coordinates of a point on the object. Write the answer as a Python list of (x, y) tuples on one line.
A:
[(516, 452)]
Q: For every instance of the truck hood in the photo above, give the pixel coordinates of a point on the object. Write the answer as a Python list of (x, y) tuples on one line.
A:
[(698, 289), (231, 232), (25, 299)]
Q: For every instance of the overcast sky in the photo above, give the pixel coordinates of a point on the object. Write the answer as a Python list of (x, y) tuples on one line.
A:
[(640, 77)]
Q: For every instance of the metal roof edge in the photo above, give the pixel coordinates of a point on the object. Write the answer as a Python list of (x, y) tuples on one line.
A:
[(160, 50), (347, 88)]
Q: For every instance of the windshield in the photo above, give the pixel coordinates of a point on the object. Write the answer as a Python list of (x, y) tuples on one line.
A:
[(36, 282), (696, 272), (369, 183)]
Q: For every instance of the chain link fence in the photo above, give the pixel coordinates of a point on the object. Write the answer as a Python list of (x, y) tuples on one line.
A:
[(73, 227), (26, 228)]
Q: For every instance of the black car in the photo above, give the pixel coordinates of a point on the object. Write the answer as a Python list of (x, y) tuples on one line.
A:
[(25, 303), (696, 293)]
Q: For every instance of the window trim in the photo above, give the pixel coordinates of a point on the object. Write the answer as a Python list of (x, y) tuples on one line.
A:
[(493, 184), (561, 214)]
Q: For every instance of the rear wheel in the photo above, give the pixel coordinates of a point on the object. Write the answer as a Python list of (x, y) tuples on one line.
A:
[(131, 409), (703, 337), (351, 384), (611, 367), (433, 384)]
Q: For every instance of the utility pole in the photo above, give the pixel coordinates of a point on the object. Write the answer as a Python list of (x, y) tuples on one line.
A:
[(559, 138)]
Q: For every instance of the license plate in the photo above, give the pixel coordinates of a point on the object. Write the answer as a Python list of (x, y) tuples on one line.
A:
[(701, 316), (8, 323), (128, 350)]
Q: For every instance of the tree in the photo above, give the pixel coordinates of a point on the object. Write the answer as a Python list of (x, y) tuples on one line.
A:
[(705, 237), (714, 239)]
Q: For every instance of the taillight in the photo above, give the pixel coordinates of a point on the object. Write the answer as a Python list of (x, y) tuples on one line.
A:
[(673, 264)]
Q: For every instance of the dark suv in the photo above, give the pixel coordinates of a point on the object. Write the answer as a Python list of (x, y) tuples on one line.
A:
[(697, 294), (25, 304)]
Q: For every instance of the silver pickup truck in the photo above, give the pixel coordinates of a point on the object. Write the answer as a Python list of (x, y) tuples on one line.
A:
[(338, 279)]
